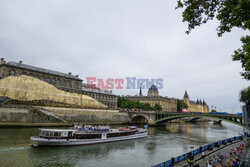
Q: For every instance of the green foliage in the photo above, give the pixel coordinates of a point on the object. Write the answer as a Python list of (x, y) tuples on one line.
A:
[(243, 55), (230, 14), (157, 107), (181, 105), (213, 110), (130, 104), (245, 95)]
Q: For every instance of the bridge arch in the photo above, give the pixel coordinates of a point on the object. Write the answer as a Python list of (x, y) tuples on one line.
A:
[(218, 118), (139, 118)]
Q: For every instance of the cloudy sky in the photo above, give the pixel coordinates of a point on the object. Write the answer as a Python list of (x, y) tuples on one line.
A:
[(119, 39)]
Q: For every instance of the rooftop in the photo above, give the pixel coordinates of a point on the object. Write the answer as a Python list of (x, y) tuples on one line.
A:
[(42, 70)]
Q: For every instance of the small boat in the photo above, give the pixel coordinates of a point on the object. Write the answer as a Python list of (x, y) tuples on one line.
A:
[(86, 136)]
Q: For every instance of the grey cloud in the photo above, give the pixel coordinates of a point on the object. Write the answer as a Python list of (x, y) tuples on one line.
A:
[(114, 38)]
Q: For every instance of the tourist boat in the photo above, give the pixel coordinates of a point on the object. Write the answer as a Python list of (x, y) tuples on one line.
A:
[(86, 136)]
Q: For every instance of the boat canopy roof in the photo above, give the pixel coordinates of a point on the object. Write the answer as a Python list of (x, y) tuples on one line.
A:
[(58, 130)]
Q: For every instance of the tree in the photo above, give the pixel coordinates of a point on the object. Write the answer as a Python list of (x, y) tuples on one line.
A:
[(245, 95), (181, 105), (230, 14), (126, 103), (157, 107), (213, 110)]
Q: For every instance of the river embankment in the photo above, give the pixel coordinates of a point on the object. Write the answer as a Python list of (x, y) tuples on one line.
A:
[(22, 115)]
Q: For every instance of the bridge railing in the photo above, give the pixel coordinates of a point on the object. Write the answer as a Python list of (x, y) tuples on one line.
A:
[(175, 160)]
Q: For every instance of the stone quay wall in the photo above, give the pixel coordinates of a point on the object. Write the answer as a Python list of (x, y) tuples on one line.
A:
[(15, 115), (55, 116), (90, 116)]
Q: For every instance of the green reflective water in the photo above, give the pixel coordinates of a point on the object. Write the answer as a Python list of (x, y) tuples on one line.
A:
[(161, 144)]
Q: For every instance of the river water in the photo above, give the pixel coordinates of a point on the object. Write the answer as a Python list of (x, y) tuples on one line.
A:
[(162, 143)]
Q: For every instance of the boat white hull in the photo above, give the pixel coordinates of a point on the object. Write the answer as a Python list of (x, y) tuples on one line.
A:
[(75, 142)]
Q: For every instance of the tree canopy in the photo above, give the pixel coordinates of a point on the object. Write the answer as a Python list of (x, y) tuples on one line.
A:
[(230, 14), (213, 110), (126, 103), (181, 105)]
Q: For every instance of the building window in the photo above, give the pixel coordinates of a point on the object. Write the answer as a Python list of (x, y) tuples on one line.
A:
[(12, 72), (32, 75), (42, 78), (76, 85), (58, 82), (24, 73), (63, 82), (48, 80), (68, 84), (37, 76), (53, 81)]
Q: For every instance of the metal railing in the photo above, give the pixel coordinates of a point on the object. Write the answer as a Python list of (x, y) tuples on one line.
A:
[(180, 158)]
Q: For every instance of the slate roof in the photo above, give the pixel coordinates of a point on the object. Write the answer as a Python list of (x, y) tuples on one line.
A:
[(153, 87), (42, 70)]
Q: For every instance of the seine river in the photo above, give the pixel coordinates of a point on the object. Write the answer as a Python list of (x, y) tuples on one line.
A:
[(161, 144)]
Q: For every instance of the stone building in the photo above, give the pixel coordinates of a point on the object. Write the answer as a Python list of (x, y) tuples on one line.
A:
[(153, 97), (104, 96), (198, 106), (63, 81)]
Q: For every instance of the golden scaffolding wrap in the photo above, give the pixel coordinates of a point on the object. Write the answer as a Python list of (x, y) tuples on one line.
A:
[(26, 88)]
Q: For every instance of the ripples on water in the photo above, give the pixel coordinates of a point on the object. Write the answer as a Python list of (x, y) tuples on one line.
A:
[(161, 144)]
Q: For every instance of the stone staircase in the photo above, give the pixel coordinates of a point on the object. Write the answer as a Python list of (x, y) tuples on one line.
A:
[(50, 114), (3, 100)]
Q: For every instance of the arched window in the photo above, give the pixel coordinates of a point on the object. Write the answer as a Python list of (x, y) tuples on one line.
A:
[(58, 82), (48, 80), (76, 85), (12, 72), (53, 81), (42, 78), (68, 84), (63, 82), (32, 75)]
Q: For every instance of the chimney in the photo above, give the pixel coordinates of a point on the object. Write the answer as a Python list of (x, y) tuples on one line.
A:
[(20, 62), (77, 76), (2, 61), (69, 73)]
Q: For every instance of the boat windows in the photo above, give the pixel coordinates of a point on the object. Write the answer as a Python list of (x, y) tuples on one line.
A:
[(50, 134), (109, 135), (88, 136)]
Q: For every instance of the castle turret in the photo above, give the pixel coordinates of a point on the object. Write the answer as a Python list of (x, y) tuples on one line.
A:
[(186, 98), (197, 101)]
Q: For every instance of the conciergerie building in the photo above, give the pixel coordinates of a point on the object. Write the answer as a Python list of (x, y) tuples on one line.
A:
[(169, 104), (64, 81)]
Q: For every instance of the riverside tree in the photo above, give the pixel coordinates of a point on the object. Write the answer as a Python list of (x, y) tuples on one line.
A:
[(230, 14), (181, 105)]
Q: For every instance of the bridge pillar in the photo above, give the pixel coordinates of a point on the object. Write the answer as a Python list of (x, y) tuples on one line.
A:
[(241, 120), (217, 121)]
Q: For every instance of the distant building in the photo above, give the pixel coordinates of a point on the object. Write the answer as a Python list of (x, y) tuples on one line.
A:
[(153, 97), (198, 106), (63, 81)]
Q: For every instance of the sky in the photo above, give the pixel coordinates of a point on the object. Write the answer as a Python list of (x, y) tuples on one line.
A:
[(117, 39)]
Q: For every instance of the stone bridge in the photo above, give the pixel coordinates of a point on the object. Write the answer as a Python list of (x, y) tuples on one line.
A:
[(159, 118)]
